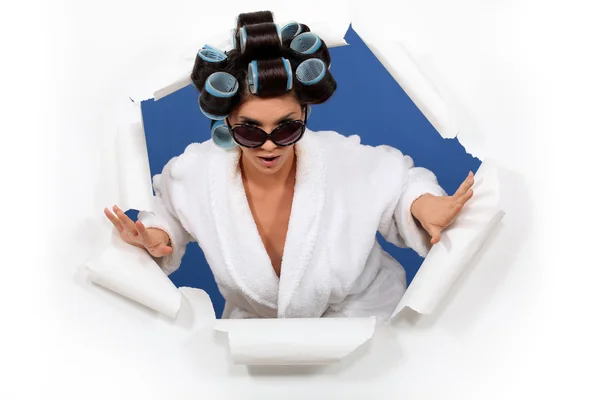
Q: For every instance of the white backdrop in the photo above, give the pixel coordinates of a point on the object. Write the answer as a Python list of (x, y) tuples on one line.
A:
[(522, 79)]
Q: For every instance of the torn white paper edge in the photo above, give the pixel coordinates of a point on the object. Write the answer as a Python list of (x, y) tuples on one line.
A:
[(458, 245), (295, 341), (196, 311), (133, 167), (131, 272), (406, 72)]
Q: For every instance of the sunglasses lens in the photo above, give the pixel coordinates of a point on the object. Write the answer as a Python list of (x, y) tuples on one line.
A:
[(288, 133), (248, 136)]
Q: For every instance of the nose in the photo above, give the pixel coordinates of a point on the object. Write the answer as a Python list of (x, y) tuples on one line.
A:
[(269, 146)]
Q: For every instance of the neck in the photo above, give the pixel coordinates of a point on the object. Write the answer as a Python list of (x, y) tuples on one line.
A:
[(269, 181)]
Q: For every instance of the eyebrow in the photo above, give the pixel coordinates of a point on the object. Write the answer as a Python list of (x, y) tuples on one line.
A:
[(248, 120)]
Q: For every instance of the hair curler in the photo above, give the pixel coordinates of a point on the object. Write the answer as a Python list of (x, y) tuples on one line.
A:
[(218, 96)]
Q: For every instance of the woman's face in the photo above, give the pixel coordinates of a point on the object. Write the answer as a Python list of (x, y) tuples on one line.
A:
[(267, 114)]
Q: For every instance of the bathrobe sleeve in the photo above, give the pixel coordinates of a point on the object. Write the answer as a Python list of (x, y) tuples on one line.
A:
[(163, 216), (398, 226)]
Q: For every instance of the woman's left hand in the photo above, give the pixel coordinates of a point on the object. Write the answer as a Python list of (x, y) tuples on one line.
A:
[(436, 213)]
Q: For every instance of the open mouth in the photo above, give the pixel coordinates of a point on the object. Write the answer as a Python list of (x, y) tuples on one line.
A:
[(269, 161)]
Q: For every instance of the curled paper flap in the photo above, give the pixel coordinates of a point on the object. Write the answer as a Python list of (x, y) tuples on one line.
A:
[(196, 311), (177, 75), (131, 272), (405, 70), (133, 167), (458, 245), (295, 341)]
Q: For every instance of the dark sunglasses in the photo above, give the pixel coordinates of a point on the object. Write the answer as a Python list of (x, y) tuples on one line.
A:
[(252, 136)]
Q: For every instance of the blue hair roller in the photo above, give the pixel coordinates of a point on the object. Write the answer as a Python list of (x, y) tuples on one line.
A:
[(209, 47), (221, 84), (211, 54), (306, 43), (221, 136), (253, 77), (288, 69), (243, 38), (311, 71), (290, 30), (233, 39), (213, 116)]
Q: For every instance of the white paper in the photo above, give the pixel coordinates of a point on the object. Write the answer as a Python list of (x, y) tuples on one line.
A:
[(135, 182), (405, 70), (131, 272), (295, 341), (196, 311), (458, 245)]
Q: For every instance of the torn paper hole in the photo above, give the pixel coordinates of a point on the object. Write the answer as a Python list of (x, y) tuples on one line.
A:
[(132, 273)]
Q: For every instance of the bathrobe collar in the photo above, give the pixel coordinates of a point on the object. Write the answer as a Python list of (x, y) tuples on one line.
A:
[(243, 252)]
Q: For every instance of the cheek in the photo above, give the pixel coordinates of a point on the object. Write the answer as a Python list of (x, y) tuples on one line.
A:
[(289, 152)]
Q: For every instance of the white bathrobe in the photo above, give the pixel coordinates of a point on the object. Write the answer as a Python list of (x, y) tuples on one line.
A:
[(345, 193)]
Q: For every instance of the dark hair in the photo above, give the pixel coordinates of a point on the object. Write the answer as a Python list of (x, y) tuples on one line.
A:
[(266, 61)]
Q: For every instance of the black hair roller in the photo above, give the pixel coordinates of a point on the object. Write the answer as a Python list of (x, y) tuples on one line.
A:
[(252, 18), (270, 77), (309, 45), (260, 41), (207, 60), (219, 95), (314, 82)]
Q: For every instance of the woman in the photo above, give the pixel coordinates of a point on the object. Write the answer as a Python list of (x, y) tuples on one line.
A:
[(287, 218)]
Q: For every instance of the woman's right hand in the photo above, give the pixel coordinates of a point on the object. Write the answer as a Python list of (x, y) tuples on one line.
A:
[(135, 233)]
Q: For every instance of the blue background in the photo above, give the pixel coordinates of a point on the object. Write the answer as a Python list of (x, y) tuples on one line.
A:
[(368, 102)]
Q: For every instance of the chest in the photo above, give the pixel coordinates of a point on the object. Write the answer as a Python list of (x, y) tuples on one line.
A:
[(271, 214)]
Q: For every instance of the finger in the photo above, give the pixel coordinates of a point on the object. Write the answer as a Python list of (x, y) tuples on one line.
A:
[(144, 234), (435, 234), (465, 197), (126, 221), (161, 251), (465, 186), (115, 221), (454, 214)]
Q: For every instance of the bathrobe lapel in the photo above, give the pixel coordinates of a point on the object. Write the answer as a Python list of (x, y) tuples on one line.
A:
[(304, 225), (244, 254)]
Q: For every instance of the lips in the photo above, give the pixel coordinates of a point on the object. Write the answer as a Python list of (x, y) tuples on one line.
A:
[(269, 161)]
